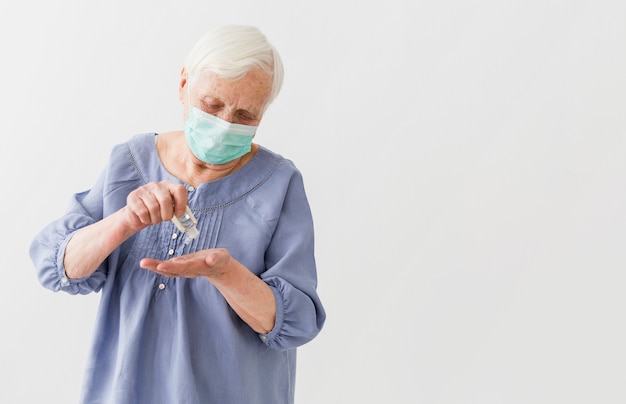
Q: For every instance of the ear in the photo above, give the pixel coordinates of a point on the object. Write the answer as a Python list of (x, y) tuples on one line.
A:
[(182, 91)]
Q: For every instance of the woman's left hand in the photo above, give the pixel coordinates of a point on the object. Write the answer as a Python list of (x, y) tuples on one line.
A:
[(210, 263), (248, 295)]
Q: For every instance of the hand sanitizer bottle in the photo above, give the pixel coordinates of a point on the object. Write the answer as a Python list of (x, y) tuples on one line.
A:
[(187, 224)]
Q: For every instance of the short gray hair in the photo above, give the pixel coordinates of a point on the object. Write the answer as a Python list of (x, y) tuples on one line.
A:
[(232, 51)]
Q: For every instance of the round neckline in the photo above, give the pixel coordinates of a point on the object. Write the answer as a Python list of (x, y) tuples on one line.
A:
[(215, 193), (174, 178)]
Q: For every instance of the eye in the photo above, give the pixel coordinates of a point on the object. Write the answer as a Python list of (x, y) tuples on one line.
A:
[(246, 116), (211, 106)]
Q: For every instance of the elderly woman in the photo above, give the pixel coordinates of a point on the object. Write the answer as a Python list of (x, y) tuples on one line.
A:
[(209, 318)]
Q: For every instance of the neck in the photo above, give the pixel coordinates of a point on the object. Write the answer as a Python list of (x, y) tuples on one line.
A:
[(178, 159)]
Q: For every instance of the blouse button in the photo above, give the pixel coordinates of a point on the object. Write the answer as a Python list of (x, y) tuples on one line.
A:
[(191, 189), (174, 236), (171, 252), (161, 286)]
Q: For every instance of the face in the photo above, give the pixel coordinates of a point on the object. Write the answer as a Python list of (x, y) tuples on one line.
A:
[(242, 101)]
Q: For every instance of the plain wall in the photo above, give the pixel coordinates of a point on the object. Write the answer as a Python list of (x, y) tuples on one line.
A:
[(464, 162)]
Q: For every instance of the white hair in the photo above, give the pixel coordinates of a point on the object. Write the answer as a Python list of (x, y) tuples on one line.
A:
[(232, 51)]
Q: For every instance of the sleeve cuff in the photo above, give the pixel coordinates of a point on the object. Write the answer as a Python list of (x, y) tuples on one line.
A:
[(278, 323)]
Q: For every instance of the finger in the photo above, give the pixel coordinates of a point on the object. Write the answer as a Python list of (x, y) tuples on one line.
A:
[(158, 200), (178, 194), (216, 257), (149, 263), (165, 203), (138, 203), (159, 267), (189, 266)]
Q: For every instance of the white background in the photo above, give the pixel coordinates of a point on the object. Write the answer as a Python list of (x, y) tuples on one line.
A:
[(464, 162)]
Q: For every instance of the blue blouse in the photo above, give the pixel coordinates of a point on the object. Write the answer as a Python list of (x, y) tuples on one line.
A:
[(176, 340)]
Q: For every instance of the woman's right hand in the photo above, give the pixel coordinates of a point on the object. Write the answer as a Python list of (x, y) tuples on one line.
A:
[(154, 203), (147, 205)]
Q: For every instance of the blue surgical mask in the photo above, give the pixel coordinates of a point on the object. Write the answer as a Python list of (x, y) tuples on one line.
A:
[(214, 140)]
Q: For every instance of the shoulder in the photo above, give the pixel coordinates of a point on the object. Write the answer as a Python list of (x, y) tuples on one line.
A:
[(137, 144), (128, 160), (143, 144), (283, 174), (275, 160)]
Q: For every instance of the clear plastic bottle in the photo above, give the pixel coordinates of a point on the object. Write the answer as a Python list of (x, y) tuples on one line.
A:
[(187, 224)]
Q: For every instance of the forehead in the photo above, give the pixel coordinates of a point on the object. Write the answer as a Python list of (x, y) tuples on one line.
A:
[(253, 88)]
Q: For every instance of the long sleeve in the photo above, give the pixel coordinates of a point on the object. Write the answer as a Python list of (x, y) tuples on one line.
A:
[(106, 196), (291, 272), (48, 247)]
